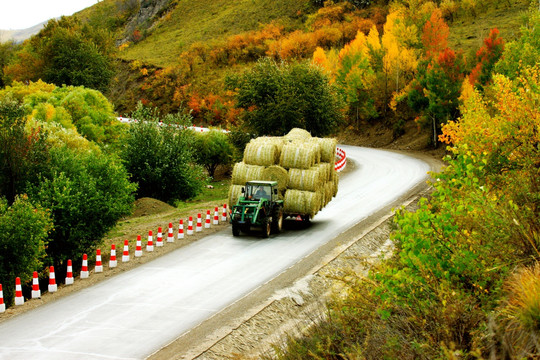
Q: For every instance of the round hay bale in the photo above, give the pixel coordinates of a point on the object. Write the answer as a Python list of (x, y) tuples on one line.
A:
[(301, 156), (335, 181), (257, 153), (277, 173), (328, 149), (298, 134), (306, 180), (243, 172), (235, 192), (301, 202), (275, 140), (325, 171), (328, 192)]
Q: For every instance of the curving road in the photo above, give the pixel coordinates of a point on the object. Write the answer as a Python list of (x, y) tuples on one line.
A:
[(135, 313)]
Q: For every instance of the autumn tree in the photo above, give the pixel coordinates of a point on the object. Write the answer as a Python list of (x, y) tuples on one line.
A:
[(436, 90), (435, 34), (277, 97), (355, 78), (486, 57), (399, 61)]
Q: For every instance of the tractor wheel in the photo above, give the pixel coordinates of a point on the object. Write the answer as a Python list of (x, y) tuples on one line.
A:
[(305, 218), (277, 220), (235, 230), (266, 228)]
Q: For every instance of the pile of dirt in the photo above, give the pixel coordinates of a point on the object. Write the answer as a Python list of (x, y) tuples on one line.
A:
[(147, 206)]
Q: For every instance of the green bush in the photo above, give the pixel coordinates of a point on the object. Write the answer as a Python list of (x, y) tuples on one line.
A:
[(279, 97), (160, 160), (87, 193), (23, 154), (211, 149), (23, 237)]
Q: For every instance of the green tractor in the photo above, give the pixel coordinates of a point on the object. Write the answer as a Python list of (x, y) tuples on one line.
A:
[(259, 207)]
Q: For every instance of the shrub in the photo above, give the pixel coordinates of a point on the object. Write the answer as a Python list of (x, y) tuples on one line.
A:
[(280, 97), (213, 148), (23, 237), (160, 161), (23, 154), (87, 193)]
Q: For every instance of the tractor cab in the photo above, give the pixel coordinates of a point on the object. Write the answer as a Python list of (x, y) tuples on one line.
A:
[(259, 207), (257, 190)]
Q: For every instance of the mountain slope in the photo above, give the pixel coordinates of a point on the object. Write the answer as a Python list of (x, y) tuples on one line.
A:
[(208, 22)]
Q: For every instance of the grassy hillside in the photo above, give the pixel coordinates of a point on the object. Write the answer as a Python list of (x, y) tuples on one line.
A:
[(209, 21), (467, 32)]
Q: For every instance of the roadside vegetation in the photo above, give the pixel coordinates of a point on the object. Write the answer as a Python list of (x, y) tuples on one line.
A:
[(463, 281)]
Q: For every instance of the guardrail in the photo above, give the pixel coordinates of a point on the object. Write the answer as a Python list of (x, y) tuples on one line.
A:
[(342, 162)]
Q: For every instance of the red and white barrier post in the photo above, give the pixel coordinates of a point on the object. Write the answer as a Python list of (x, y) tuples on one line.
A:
[(125, 253), (36, 293), (69, 273), (199, 223), (52, 280), (112, 260), (99, 264), (180, 229), (207, 220), (190, 226), (84, 269), (19, 299), (342, 159), (150, 245), (138, 247), (170, 234), (216, 216), (224, 214), (2, 305), (159, 241)]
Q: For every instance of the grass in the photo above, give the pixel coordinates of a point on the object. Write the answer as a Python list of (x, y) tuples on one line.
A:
[(151, 214), (209, 22), (467, 32), (218, 193)]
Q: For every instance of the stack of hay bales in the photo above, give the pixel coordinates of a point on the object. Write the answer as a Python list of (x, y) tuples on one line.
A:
[(302, 165)]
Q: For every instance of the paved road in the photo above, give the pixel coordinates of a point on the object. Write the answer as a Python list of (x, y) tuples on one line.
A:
[(135, 313)]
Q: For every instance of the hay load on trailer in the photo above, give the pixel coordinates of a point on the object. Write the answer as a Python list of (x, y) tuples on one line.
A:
[(301, 165)]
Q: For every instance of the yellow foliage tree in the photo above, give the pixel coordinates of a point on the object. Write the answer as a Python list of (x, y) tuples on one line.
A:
[(399, 62), (510, 122)]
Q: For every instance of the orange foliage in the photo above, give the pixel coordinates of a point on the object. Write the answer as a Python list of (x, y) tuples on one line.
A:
[(487, 56), (435, 34), (296, 45)]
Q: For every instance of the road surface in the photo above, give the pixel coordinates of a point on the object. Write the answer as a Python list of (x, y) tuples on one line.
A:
[(134, 314)]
